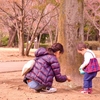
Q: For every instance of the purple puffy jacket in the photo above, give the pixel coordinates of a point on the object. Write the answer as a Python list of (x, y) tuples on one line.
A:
[(46, 67)]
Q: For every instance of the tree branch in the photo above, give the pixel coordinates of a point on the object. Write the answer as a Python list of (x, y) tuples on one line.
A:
[(18, 5)]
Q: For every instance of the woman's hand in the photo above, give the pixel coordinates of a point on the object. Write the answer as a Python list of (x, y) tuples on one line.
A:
[(68, 78)]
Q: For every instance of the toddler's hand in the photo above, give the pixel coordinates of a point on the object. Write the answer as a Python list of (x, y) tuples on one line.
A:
[(81, 71)]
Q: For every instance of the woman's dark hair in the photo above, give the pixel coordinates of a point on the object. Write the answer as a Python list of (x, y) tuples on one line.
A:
[(56, 47), (81, 46)]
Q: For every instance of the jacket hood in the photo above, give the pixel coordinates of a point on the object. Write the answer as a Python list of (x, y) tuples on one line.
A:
[(40, 52)]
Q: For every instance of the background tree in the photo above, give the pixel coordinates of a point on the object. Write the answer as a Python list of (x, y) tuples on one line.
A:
[(14, 20), (92, 15), (6, 19), (27, 17), (42, 23)]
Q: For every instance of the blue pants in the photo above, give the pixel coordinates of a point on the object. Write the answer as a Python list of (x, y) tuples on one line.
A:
[(88, 79), (35, 85)]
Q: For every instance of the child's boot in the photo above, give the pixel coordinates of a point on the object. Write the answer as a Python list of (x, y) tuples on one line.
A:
[(90, 90)]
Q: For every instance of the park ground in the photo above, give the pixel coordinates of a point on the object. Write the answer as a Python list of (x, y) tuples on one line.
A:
[(13, 88)]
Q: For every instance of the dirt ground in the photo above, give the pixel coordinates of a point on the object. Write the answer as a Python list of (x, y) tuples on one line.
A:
[(13, 88)]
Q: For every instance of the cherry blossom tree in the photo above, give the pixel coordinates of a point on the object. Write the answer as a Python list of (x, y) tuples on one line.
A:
[(27, 17), (92, 13)]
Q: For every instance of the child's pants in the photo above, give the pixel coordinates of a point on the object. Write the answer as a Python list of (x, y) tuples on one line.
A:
[(35, 85), (88, 79)]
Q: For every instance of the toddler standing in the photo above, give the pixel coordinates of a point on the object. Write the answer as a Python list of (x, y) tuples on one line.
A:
[(88, 77)]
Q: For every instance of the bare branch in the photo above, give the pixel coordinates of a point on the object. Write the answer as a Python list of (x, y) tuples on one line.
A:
[(5, 11), (18, 5), (51, 11), (47, 24)]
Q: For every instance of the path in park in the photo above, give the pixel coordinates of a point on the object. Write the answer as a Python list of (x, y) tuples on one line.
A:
[(11, 66), (8, 66), (17, 66)]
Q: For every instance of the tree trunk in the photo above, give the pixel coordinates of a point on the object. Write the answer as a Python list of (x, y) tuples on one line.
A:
[(21, 32), (99, 37), (21, 44), (50, 37), (29, 45), (70, 32), (12, 36)]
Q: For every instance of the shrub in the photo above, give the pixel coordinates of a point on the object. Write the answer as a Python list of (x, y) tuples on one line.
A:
[(92, 44), (45, 45), (44, 38), (4, 41)]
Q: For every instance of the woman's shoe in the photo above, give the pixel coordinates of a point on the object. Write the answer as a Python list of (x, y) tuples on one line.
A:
[(50, 90)]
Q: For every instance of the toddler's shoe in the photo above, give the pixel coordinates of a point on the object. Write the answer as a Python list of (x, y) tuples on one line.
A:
[(90, 90), (87, 91), (84, 91)]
